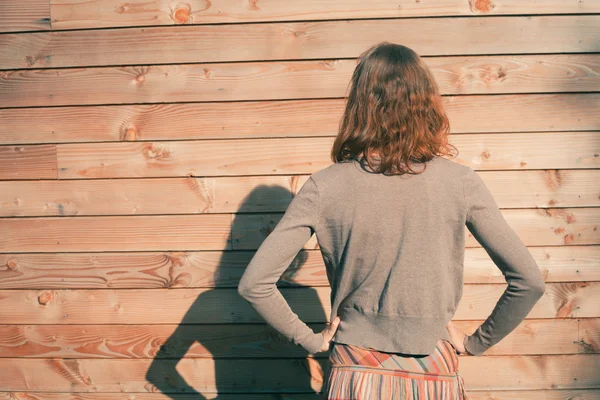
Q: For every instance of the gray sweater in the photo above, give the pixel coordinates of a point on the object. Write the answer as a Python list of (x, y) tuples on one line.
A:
[(393, 248)]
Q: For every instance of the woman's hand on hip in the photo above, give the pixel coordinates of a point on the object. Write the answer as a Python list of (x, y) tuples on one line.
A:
[(457, 337), (329, 332)]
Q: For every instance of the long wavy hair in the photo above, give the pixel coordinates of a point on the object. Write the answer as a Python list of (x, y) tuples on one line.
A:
[(394, 115)]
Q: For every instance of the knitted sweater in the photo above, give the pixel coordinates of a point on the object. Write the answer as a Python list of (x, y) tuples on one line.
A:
[(393, 248)]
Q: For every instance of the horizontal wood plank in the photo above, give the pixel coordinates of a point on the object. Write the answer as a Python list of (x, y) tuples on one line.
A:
[(199, 232), (189, 195), (297, 40), (511, 189), (543, 227), (277, 376), (555, 150), (288, 80), (197, 158), (82, 14), (210, 306), (301, 118), (531, 337), (192, 269)]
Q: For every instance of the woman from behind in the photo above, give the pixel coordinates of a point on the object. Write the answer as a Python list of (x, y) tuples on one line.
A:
[(394, 125)]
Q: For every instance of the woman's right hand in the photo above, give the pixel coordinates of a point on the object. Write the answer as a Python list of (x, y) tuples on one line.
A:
[(329, 332), (457, 337)]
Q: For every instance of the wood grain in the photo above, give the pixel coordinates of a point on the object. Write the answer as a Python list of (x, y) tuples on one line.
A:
[(298, 41), (300, 118), (198, 232), (276, 156), (531, 337), (28, 162), (225, 306), (281, 375), (187, 195), (24, 15), (193, 269), (231, 194), (555, 150), (589, 335), (287, 80), (544, 227), (81, 14)]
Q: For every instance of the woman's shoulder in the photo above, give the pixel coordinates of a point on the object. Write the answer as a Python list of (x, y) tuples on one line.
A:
[(333, 172), (450, 167)]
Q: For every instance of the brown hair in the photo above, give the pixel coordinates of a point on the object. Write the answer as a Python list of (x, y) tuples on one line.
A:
[(394, 109)]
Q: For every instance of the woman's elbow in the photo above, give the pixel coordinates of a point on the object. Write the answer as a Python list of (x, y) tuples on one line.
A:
[(244, 290), (538, 286)]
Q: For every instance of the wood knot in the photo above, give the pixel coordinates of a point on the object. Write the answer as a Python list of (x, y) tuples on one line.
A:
[(489, 75), (130, 134), (121, 8), (30, 60), (569, 238), (553, 179), (481, 6), (155, 152), (501, 74), (588, 347), (45, 298), (11, 265), (486, 155), (181, 14), (265, 230)]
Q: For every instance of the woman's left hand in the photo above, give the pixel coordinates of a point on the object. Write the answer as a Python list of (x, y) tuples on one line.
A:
[(457, 337), (329, 332)]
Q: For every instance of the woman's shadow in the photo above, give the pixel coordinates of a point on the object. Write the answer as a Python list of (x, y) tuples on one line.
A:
[(240, 350)]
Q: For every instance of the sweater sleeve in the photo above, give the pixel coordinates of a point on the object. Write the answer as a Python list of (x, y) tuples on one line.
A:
[(273, 257), (525, 281)]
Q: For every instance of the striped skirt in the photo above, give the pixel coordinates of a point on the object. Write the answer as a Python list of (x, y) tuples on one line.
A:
[(367, 374)]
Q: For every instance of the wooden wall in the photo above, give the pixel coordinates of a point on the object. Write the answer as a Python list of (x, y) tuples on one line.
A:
[(148, 147)]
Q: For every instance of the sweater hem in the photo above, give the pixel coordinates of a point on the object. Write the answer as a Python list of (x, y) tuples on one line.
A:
[(397, 333)]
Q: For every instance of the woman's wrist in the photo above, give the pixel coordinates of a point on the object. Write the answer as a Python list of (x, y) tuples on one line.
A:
[(465, 346)]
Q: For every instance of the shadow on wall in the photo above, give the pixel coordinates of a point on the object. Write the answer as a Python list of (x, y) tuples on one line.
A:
[(231, 376)]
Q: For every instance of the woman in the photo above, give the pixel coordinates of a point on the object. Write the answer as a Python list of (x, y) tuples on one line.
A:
[(389, 216)]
